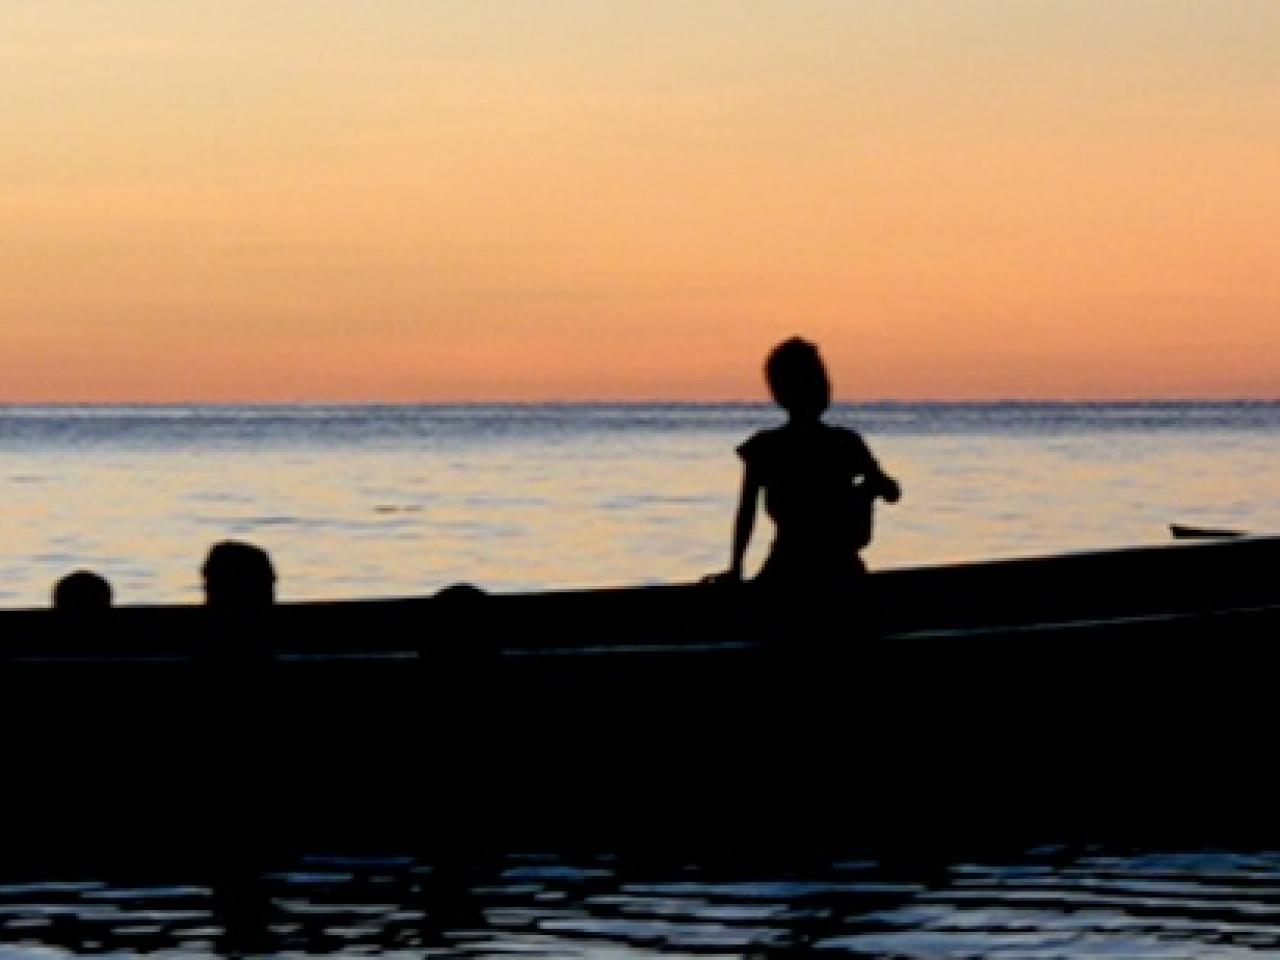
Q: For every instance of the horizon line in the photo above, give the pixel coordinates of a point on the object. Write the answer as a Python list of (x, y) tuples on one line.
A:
[(635, 402)]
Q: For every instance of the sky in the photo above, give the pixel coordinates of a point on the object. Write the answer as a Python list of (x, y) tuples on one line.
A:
[(509, 199)]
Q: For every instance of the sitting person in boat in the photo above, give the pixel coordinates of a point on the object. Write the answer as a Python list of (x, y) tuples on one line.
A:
[(819, 483), (82, 593), (238, 578)]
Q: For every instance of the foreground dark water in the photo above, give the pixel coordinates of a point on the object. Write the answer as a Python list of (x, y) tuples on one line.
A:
[(1051, 902)]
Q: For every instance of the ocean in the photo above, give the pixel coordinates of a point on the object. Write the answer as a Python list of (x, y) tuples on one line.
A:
[(1049, 904), (384, 500), (377, 500)]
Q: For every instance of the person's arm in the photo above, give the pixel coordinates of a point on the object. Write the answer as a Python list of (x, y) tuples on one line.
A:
[(884, 486), (878, 483), (744, 522)]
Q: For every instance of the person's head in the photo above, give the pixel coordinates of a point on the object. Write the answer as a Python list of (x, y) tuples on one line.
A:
[(238, 576), (798, 379), (82, 592)]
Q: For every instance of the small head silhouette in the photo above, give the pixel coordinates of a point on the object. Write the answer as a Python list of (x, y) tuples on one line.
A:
[(82, 592), (460, 593), (798, 379), (238, 576)]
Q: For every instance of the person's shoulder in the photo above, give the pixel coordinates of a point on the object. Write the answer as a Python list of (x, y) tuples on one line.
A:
[(846, 440), (760, 445), (836, 433)]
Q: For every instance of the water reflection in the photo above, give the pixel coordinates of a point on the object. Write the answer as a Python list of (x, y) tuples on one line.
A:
[(1058, 903)]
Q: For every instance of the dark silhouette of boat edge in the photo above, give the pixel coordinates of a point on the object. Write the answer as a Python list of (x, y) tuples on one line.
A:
[(1122, 693)]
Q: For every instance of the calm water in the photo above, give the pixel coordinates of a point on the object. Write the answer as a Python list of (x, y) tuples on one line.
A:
[(381, 500), (392, 500)]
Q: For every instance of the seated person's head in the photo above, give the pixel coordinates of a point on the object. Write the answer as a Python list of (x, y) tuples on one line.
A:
[(238, 576), (460, 599), (460, 592), (82, 592), (798, 379)]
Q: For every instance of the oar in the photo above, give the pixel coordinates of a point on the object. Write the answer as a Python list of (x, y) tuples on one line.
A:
[(1183, 532)]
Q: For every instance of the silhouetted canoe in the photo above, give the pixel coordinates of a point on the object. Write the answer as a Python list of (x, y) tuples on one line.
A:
[(1123, 690), (1102, 590)]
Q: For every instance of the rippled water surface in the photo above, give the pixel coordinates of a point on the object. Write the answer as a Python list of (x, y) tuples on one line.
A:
[(1050, 903), (380, 500)]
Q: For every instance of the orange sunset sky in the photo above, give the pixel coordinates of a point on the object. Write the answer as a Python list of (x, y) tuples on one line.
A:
[(417, 200)]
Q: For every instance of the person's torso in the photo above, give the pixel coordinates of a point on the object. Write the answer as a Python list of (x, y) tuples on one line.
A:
[(814, 487)]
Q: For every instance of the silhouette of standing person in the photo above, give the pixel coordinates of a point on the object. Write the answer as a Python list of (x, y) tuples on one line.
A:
[(819, 483)]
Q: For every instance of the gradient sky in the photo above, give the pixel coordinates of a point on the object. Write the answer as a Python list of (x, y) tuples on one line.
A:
[(405, 199)]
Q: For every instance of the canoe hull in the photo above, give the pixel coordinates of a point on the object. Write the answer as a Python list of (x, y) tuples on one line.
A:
[(668, 715)]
